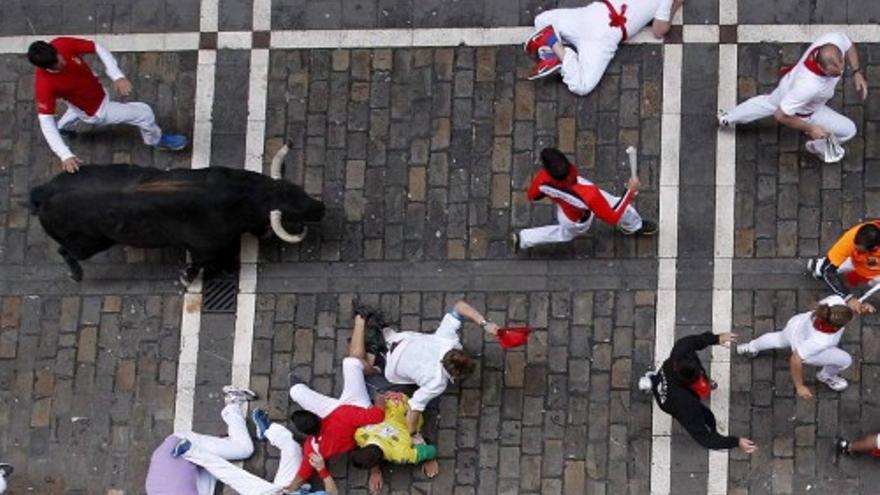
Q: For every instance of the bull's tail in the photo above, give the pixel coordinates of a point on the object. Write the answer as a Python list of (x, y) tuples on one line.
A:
[(36, 198)]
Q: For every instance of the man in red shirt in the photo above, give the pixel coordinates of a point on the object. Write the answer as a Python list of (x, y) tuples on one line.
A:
[(578, 201), (62, 73)]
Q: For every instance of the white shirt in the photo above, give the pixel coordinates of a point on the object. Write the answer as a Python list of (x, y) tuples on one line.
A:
[(804, 92), (805, 339), (417, 359), (639, 13)]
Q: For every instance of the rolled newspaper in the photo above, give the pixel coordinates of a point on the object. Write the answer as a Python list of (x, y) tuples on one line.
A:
[(632, 154)]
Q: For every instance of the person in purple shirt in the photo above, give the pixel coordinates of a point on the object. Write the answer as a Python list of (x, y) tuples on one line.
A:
[(170, 475)]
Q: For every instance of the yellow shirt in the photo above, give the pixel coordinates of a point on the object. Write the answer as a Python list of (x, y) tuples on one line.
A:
[(392, 435)]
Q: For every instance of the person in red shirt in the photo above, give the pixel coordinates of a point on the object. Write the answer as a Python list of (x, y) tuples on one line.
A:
[(578, 201), (62, 73), (339, 418)]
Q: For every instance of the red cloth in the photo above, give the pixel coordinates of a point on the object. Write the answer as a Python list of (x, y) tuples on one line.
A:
[(337, 434), (513, 337), (75, 83), (588, 195), (618, 19), (824, 327), (875, 452), (810, 63)]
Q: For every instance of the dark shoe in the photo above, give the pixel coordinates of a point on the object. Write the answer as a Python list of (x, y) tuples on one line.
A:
[(648, 228), (188, 275), (547, 65), (68, 134), (6, 469), (172, 142), (514, 242), (261, 423), (181, 448), (292, 380)]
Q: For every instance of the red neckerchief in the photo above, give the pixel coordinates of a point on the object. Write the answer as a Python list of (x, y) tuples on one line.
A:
[(824, 326), (618, 19), (810, 63), (702, 387)]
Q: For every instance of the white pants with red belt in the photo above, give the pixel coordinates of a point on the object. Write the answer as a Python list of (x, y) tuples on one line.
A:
[(595, 43), (114, 112), (762, 106), (832, 360), (354, 391), (567, 230), (244, 482), (236, 446)]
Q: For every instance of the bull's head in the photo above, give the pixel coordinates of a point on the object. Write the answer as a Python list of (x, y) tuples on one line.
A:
[(314, 212)]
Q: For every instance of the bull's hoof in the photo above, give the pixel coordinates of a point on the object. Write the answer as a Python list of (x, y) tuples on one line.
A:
[(75, 272), (188, 275)]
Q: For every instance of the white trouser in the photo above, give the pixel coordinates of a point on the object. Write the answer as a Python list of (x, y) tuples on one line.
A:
[(832, 360), (244, 482), (236, 446), (113, 112), (595, 42), (762, 106), (2, 482), (567, 230), (354, 391)]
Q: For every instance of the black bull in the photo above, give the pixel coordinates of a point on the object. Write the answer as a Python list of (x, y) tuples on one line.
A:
[(205, 211)]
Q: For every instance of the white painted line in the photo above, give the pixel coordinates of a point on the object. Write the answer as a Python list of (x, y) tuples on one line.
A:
[(234, 40), (670, 124), (722, 284), (727, 12), (205, 72), (187, 360), (262, 15), (700, 33), (209, 16)]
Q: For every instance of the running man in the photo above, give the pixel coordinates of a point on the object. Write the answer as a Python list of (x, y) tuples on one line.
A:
[(852, 261)]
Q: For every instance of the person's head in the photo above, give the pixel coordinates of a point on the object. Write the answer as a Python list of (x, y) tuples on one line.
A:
[(555, 163), (830, 58), (836, 316), (867, 237), (458, 364), (306, 422), (43, 55), (366, 457), (688, 370)]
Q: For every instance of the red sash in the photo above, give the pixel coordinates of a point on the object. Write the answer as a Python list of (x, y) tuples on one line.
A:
[(702, 387), (824, 327), (810, 63), (618, 19)]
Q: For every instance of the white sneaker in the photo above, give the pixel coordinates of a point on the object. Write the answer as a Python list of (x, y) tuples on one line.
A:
[(238, 395), (645, 381), (746, 350), (836, 383), (722, 119)]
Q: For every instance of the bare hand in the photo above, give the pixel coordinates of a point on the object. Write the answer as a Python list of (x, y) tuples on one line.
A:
[(804, 392), (430, 468), (859, 307), (726, 339), (316, 461), (633, 184), (861, 85), (817, 132), (376, 482), (492, 328), (71, 164), (747, 445), (380, 400), (122, 86)]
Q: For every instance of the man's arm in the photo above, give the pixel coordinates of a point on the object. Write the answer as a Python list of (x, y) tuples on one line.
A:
[(795, 122), (466, 310), (796, 367), (861, 84), (295, 484), (111, 67), (663, 18), (69, 161), (693, 343)]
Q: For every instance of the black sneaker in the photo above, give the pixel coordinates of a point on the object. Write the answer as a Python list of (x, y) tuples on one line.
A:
[(648, 228), (6, 469), (68, 134), (514, 242)]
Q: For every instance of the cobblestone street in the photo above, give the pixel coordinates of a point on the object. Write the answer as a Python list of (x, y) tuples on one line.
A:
[(416, 125)]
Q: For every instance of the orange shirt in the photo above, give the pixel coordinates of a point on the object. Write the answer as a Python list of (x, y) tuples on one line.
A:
[(865, 263)]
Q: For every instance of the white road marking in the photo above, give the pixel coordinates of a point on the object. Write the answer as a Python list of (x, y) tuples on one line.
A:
[(670, 123)]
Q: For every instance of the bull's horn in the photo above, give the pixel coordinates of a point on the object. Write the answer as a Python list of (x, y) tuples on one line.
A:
[(278, 161), (275, 221)]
